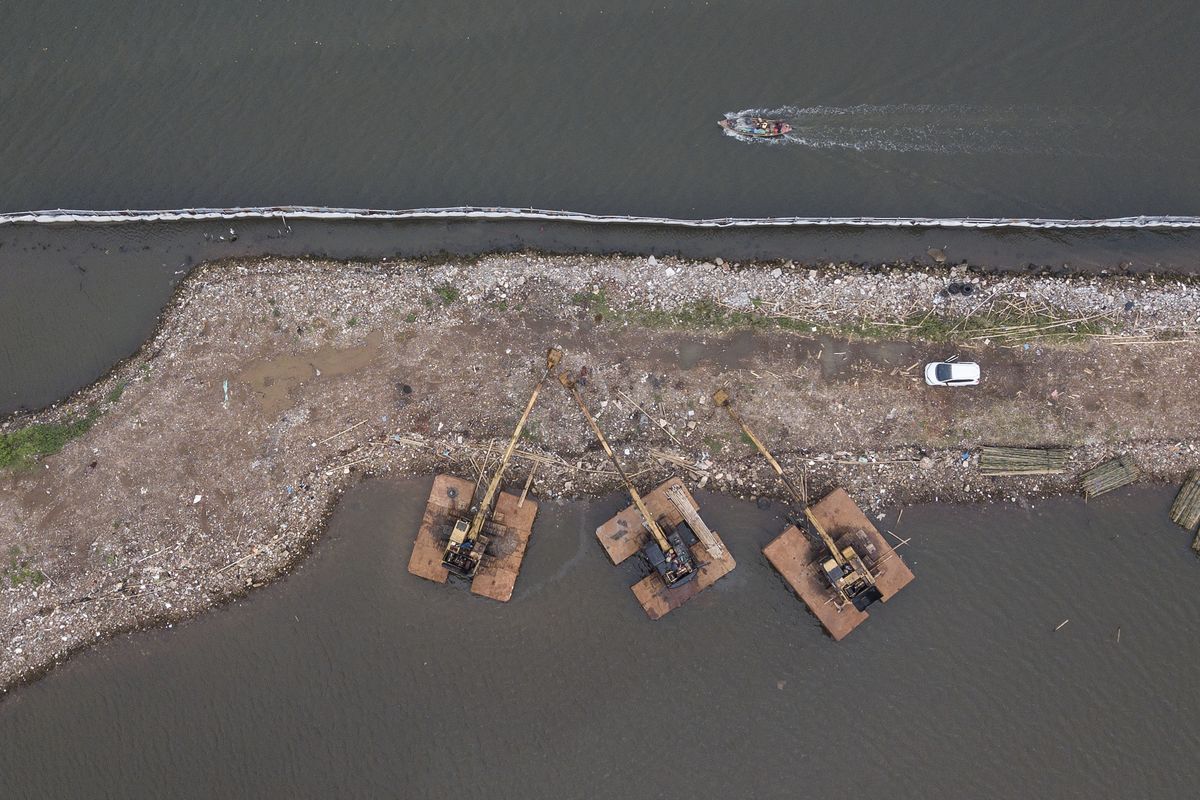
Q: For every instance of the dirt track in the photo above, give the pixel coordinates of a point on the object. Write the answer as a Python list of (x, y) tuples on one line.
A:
[(273, 384)]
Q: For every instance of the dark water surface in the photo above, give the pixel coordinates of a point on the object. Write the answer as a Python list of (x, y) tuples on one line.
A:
[(353, 678), (925, 108)]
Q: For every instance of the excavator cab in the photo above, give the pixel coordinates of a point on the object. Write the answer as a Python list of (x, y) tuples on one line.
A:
[(463, 553), (852, 579), (676, 565)]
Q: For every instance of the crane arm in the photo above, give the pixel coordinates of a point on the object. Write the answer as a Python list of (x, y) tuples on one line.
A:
[(647, 518), (721, 398), (489, 496)]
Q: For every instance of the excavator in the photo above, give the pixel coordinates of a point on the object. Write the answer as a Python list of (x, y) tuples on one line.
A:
[(666, 551), (464, 552), (849, 577)]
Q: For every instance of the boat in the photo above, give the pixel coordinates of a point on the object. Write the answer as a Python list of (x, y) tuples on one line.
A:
[(756, 127)]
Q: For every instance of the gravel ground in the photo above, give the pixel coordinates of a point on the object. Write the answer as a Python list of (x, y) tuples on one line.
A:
[(272, 385)]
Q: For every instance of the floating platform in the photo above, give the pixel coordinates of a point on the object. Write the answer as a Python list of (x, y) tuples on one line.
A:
[(798, 559), (625, 535), (508, 531)]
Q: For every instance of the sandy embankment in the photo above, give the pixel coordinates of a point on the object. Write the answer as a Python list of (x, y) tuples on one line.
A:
[(271, 385)]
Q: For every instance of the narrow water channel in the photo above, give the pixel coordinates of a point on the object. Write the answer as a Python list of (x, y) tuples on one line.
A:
[(82, 297)]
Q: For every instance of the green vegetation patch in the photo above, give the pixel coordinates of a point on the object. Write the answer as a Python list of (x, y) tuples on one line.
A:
[(998, 327), (448, 293), (22, 447), (115, 393), (19, 571), (707, 314)]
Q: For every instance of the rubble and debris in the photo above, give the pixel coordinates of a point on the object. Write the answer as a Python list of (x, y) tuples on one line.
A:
[(311, 348)]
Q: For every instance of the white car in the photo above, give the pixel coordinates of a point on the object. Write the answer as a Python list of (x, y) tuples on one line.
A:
[(952, 373)]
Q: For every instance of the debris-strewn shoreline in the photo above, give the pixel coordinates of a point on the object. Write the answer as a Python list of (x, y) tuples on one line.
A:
[(272, 385)]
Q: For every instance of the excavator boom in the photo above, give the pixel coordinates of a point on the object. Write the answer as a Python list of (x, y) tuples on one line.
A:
[(672, 559), (722, 399), (845, 570), (464, 550), (648, 518), (489, 497)]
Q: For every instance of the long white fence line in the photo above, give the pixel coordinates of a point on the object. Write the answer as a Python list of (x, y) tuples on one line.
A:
[(61, 216)]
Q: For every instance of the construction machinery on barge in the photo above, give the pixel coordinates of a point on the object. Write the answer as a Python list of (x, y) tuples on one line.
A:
[(482, 539), (665, 526), (832, 557)]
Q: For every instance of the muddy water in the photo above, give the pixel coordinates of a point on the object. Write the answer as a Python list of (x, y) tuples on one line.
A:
[(353, 678)]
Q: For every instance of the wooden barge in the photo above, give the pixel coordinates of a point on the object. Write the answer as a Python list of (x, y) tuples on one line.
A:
[(625, 534), (508, 531), (798, 559)]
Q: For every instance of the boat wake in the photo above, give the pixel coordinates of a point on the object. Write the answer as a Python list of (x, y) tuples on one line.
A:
[(950, 129)]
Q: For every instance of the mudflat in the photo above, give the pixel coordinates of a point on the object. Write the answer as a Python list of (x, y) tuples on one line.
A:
[(212, 456)]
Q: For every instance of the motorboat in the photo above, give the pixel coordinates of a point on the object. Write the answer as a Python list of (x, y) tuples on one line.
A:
[(756, 127)]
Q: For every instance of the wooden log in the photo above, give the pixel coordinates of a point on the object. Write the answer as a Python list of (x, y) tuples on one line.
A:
[(1185, 511), (1110, 475), (1023, 460)]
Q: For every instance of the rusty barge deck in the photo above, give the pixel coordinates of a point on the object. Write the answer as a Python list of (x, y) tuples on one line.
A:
[(624, 535), (797, 558), (509, 529)]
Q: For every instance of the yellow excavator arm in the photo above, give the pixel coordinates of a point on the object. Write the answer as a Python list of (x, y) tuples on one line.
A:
[(673, 561), (553, 356), (647, 518), (722, 400), (460, 552)]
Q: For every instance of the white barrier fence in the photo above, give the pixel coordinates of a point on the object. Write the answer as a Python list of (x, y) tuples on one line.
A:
[(64, 216)]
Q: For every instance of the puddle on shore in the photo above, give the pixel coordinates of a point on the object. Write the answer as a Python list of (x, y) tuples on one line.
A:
[(272, 380)]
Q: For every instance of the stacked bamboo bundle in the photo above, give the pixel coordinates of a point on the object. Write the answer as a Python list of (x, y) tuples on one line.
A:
[(1110, 475), (1185, 511), (1022, 461)]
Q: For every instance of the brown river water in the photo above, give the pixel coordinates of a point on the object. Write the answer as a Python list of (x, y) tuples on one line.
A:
[(352, 678)]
